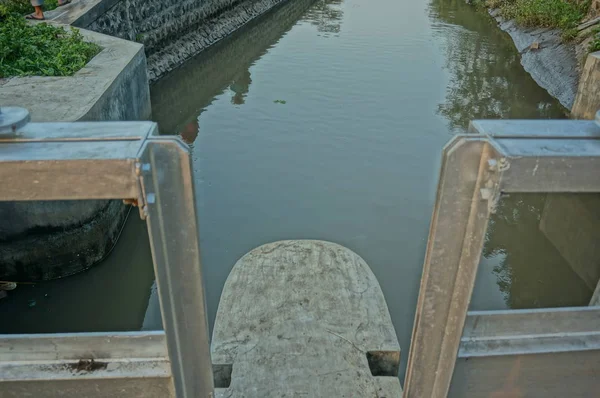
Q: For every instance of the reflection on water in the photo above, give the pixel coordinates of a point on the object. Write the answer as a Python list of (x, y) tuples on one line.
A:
[(225, 67), (240, 87), (486, 77), (340, 111), (326, 15), (527, 268)]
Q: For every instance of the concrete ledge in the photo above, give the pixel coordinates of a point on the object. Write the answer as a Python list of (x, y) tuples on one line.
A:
[(81, 13), (47, 240), (112, 86)]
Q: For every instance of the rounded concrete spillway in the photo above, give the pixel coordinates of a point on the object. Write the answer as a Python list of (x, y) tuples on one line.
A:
[(304, 317)]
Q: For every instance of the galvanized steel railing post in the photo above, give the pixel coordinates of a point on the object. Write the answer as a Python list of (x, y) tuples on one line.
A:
[(166, 175), (502, 157), (113, 160)]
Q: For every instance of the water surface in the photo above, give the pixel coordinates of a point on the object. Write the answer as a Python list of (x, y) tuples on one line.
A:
[(325, 120), (333, 130)]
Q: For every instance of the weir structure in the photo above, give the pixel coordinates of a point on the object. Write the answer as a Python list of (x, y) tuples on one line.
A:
[(454, 352)]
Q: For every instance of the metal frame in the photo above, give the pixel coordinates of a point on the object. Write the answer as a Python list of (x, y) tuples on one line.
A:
[(122, 160), (496, 157), (115, 160)]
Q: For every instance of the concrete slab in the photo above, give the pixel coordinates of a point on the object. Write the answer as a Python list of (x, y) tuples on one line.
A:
[(112, 86), (304, 318)]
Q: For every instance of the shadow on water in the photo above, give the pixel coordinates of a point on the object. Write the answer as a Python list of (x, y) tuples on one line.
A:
[(326, 16)]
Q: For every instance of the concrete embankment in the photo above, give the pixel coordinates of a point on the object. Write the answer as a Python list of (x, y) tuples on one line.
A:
[(554, 64), (172, 32)]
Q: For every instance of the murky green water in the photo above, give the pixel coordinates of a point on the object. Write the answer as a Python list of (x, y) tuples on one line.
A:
[(325, 120)]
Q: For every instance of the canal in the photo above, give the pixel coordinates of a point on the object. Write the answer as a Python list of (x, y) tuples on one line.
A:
[(325, 120)]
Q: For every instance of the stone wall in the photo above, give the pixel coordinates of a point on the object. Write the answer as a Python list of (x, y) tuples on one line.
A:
[(173, 32)]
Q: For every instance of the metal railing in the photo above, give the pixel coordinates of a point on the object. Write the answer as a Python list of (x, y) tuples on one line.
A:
[(122, 160), (553, 350), (112, 160)]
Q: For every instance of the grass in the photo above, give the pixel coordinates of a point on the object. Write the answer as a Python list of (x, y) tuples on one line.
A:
[(561, 14), (595, 43), (545, 13), (40, 49)]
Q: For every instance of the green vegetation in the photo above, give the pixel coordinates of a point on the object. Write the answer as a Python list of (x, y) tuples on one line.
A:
[(546, 13), (282, 102), (40, 49), (595, 43), (562, 14)]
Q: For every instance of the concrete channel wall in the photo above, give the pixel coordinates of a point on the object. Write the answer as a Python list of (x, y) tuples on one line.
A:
[(565, 70), (47, 240), (171, 32)]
